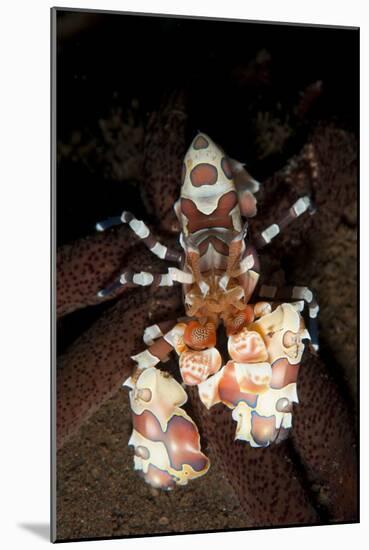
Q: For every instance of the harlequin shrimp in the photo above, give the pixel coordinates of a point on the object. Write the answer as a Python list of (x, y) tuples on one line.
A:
[(219, 271)]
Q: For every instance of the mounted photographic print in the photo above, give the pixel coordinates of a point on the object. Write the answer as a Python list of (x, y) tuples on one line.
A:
[(205, 177)]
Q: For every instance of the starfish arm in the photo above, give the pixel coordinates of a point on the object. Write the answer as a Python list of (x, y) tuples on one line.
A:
[(88, 265), (265, 480), (324, 438), (84, 267), (96, 365)]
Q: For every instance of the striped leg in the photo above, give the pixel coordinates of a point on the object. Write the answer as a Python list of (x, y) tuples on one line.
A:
[(303, 204), (153, 332), (160, 345), (144, 233), (154, 354), (144, 278), (300, 293)]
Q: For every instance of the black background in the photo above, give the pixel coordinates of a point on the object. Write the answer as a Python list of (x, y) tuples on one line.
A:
[(108, 59)]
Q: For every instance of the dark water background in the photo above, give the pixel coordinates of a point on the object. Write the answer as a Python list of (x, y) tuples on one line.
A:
[(110, 59)]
